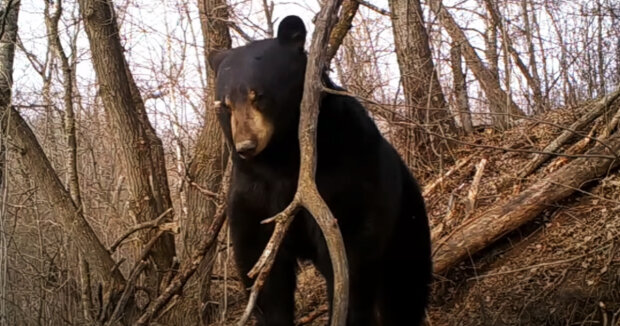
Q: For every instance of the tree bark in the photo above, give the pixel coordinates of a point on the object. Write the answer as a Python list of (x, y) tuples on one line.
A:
[(141, 151), (533, 83), (491, 53), (516, 211), (347, 13), (460, 89), (51, 23), (41, 170), (426, 104), (488, 81), (600, 47), (210, 155), (532, 57)]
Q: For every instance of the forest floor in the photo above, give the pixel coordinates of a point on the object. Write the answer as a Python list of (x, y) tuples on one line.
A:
[(562, 268)]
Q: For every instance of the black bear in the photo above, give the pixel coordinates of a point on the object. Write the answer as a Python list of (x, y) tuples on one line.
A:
[(370, 191)]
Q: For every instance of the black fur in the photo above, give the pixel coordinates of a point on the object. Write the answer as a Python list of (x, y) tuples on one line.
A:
[(372, 194)]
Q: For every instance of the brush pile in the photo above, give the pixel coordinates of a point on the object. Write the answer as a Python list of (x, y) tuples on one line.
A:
[(525, 224)]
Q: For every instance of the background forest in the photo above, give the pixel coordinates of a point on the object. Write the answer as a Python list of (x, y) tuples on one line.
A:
[(113, 168)]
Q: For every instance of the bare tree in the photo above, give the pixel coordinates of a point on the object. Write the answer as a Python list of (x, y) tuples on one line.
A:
[(39, 166), (141, 156), (426, 104), (599, 48), (532, 64), (534, 83), (460, 88), (488, 81), (210, 155), (492, 55)]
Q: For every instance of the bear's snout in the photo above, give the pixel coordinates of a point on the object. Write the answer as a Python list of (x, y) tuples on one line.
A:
[(245, 148)]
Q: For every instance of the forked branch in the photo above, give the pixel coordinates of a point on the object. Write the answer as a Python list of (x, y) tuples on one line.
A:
[(189, 266), (307, 195)]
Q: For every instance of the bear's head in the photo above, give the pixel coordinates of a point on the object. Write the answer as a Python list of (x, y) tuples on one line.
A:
[(259, 86)]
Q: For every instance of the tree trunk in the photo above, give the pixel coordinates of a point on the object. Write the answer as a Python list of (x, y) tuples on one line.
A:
[(543, 54), (141, 151), (491, 53), (567, 89), (348, 11), (210, 156), (600, 50), (532, 56), (516, 211), (533, 83), (488, 81), (41, 170), (425, 101), (596, 110), (51, 23), (460, 89)]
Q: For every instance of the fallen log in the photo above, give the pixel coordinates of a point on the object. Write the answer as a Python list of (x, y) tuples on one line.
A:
[(598, 108), (505, 217)]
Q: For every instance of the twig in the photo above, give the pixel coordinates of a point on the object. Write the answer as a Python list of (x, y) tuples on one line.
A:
[(203, 190), (147, 248), (374, 8), (127, 292), (190, 266), (552, 263), (505, 149), (312, 316), (149, 224), (432, 185), (473, 190), (240, 31), (265, 262)]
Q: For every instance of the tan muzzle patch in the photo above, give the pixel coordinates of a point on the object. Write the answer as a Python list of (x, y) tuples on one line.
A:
[(251, 130)]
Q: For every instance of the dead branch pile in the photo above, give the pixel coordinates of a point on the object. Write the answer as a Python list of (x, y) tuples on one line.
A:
[(504, 238), (507, 261)]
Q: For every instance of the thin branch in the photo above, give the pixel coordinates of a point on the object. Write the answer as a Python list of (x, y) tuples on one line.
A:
[(240, 31), (127, 292), (208, 193), (190, 265), (505, 149), (149, 224), (374, 8), (265, 262)]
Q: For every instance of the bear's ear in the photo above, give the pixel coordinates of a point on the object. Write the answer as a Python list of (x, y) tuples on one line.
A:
[(292, 31), (215, 57)]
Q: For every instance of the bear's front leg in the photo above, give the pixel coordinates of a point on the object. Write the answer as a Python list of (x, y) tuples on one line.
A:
[(275, 304)]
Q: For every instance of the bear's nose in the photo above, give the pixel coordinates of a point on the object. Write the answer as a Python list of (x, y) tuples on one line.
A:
[(245, 148)]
